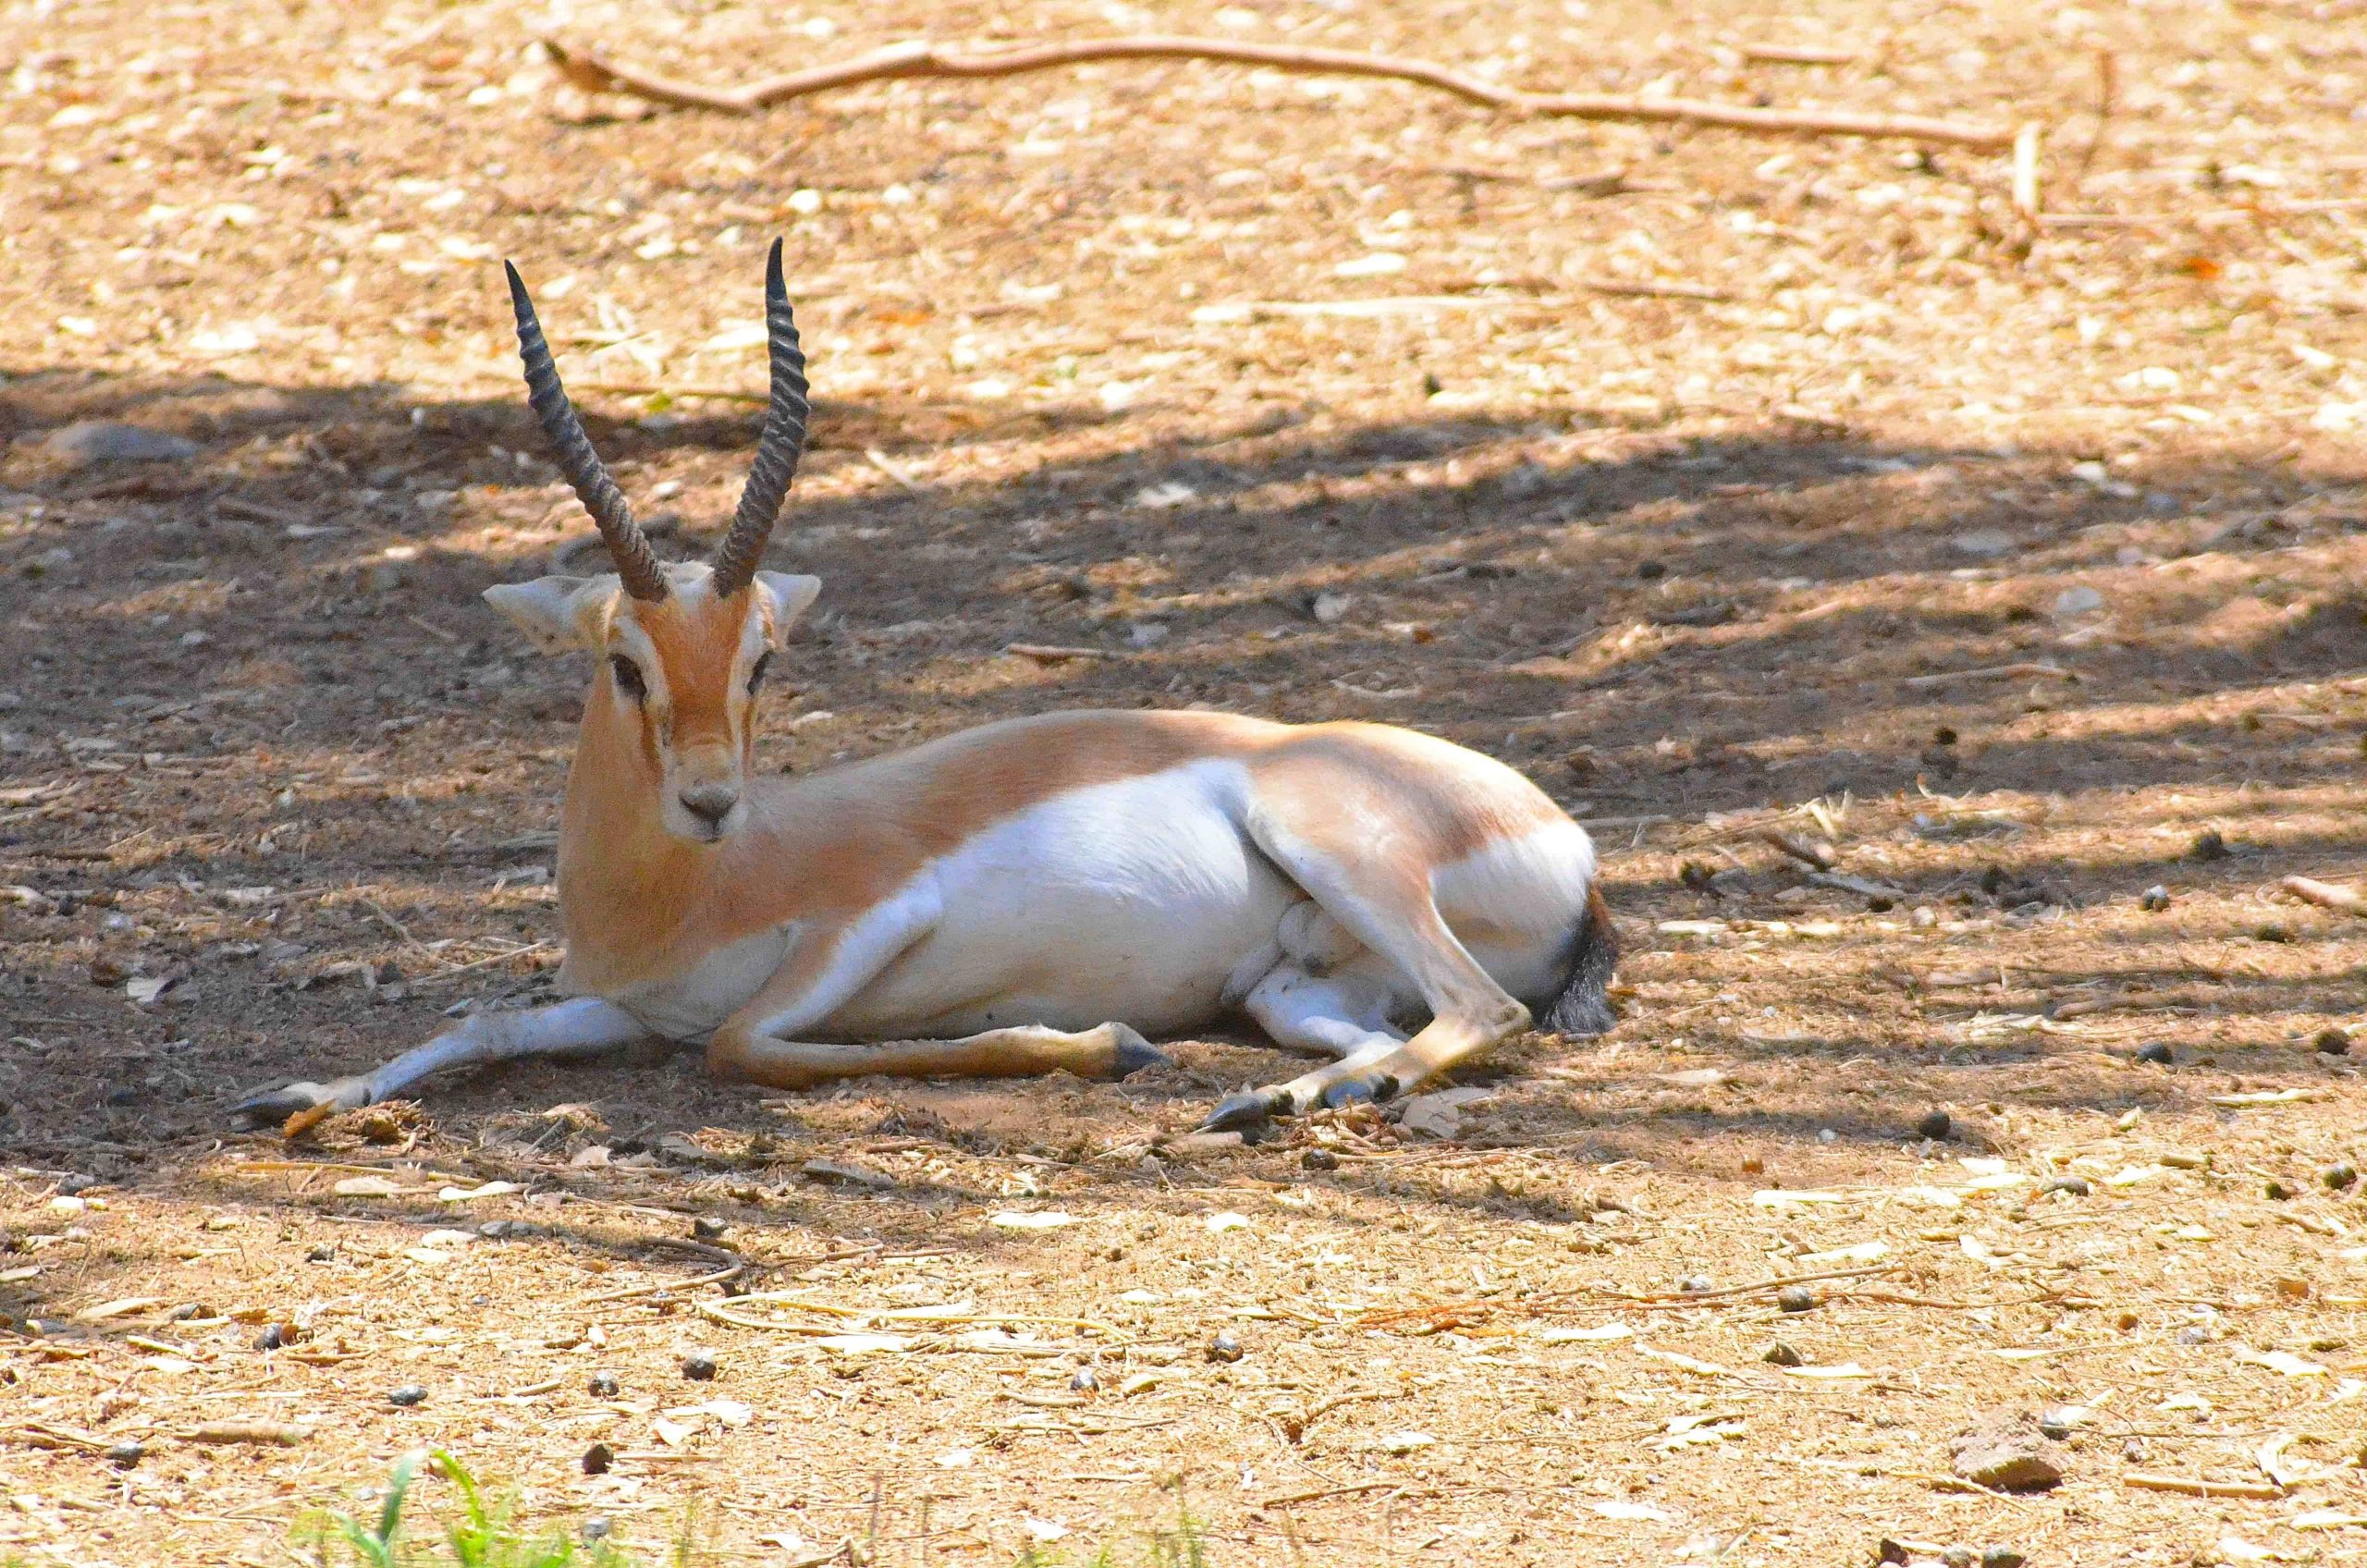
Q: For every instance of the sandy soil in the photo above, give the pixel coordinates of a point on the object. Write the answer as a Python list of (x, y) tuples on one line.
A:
[(1724, 484)]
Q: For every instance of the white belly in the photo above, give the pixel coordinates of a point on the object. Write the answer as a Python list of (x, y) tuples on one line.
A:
[(1140, 902)]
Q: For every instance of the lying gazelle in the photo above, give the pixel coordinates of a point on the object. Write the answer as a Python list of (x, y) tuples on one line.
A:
[(1031, 895)]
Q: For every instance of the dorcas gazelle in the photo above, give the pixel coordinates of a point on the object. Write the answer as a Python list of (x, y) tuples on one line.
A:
[(1035, 894)]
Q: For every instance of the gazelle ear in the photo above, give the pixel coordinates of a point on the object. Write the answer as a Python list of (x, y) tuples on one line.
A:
[(790, 596), (558, 613)]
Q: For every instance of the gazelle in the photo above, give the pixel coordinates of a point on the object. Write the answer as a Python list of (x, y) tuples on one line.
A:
[(1031, 895)]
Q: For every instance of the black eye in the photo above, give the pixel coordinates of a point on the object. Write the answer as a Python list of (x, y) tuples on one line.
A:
[(756, 671), (628, 675)]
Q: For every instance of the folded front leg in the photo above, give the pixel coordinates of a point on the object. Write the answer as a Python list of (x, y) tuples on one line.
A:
[(1112, 1050)]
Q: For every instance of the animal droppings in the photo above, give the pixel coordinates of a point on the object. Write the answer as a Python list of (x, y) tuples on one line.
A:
[(2156, 1051), (1935, 1126), (598, 1458), (603, 1385), (699, 1367), (1796, 1298), (406, 1396)]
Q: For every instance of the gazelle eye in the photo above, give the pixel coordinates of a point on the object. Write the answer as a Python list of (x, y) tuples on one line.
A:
[(756, 671), (628, 675)]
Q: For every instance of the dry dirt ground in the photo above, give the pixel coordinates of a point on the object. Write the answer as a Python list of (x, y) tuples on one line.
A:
[(1723, 483)]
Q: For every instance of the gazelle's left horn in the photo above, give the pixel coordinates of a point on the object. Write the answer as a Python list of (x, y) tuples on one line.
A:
[(778, 449), (636, 562)]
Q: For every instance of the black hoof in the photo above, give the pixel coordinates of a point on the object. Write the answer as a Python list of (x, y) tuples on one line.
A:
[(1134, 1054), (1363, 1089), (1250, 1108), (268, 1108)]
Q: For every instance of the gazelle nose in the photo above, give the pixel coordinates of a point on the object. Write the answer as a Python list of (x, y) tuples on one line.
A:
[(710, 803)]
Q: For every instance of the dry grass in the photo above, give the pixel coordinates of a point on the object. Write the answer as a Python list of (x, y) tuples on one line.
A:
[(1696, 491)]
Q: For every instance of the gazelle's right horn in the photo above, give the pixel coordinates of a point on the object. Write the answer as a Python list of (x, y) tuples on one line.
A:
[(636, 562), (777, 449)]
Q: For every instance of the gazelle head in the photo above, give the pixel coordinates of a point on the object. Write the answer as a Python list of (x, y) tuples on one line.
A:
[(683, 646)]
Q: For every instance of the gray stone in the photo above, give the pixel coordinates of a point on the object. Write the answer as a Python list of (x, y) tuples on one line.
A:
[(106, 441), (2007, 1453), (1983, 543)]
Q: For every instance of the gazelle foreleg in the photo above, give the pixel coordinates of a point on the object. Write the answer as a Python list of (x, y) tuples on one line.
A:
[(1112, 1050), (827, 968), (583, 1026)]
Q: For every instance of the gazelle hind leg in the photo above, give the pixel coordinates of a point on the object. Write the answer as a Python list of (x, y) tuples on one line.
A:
[(1337, 1016), (1110, 1050), (582, 1027), (1386, 905)]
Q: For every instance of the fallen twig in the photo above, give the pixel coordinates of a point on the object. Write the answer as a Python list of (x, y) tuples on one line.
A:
[(2107, 96), (1989, 672), (2200, 1488), (1052, 653), (1319, 1493), (630, 1292), (273, 1433), (1813, 852), (2026, 172), (594, 73), (1857, 885), (2325, 895)]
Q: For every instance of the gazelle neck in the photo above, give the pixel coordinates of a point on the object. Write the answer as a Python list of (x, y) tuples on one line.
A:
[(626, 885)]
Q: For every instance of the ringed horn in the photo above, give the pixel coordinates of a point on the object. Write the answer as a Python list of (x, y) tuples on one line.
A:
[(777, 449)]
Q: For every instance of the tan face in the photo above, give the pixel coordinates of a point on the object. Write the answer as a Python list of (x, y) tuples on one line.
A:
[(679, 677)]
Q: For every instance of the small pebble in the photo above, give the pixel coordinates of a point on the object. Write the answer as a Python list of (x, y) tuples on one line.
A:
[(1957, 1557), (2333, 1042), (1694, 1284), (1224, 1347), (596, 1528), (126, 1453), (2154, 899), (2278, 1190), (698, 1366), (1889, 1550), (1320, 1159), (2340, 1176), (2194, 1334), (604, 1385), (2132, 1451), (1936, 1126), (1083, 1381), (596, 1460), (271, 1338), (2002, 1557), (2209, 845), (2076, 1185), (2057, 1422), (1782, 1354), (2156, 1051), (706, 1229), (1796, 1298), (406, 1396), (320, 1252)]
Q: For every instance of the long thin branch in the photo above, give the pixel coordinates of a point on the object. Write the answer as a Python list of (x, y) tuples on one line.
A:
[(594, 73)]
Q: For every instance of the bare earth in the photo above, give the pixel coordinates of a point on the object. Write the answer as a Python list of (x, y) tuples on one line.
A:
[(1723, 483)]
